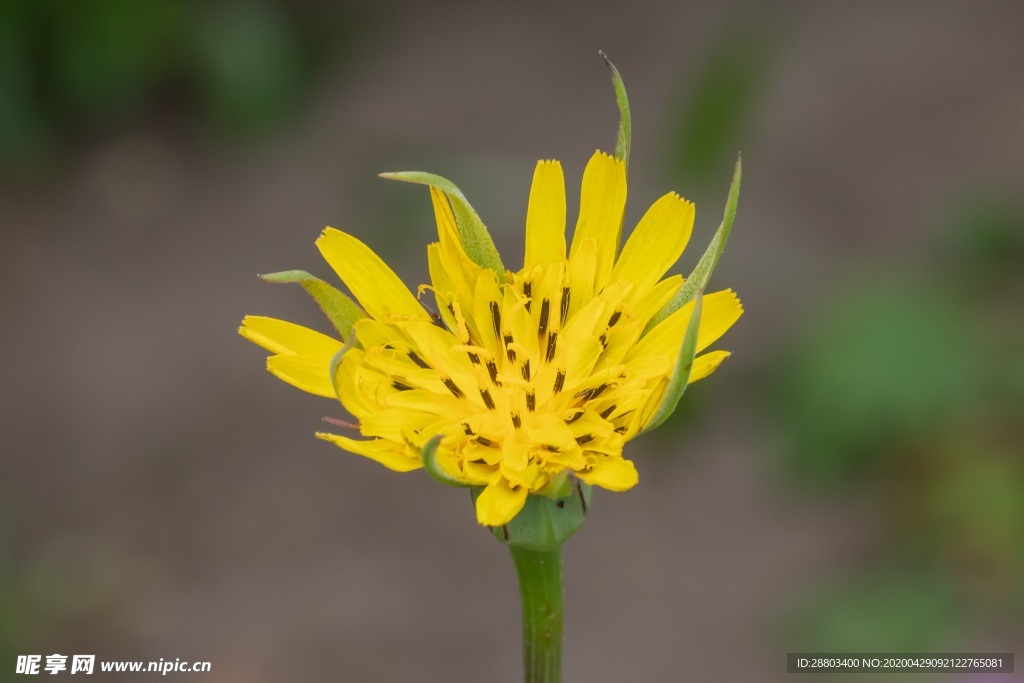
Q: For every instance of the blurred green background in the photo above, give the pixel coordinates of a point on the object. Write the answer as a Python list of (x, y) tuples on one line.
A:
[(852, 479)]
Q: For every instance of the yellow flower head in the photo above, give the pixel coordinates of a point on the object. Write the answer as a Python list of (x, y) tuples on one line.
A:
[(524, 377)]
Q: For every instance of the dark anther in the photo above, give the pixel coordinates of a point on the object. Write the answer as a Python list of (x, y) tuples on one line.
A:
[(504, 531), (508, 348), (621, 430), (528, 293), (418, 361), (487, 443), (473, 358), (401, 386), (492, 369), (560, 504), (578, 415), (551, 449), (565, 304), (545, 307), (615, 318), (469, 430), (452, 387), (586, 438), (593, 392), (531, 401), (552, 341), (526, 370), (486, 396), (516, 420), (608, 411), (559, 381), (604, 340), (496, 319)]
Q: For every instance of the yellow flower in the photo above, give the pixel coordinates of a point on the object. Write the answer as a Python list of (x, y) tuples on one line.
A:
[(525, 377)]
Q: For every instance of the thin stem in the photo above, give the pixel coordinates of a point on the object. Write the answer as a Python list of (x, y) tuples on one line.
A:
[(540, 583)]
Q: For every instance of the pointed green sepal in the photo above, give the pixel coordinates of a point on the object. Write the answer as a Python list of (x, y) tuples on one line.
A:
[(622, 142), (339, 308), (476, 241), (681, 374), (434, 469), (698, 279), (543, 523)]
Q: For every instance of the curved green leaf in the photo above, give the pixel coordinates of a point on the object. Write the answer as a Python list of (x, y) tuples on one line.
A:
[(698, 279), (435, 470), (339, 308), (681, 374), (623, 140), (472, 232)]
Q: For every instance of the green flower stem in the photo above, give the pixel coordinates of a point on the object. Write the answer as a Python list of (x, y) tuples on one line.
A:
[(540, 583)]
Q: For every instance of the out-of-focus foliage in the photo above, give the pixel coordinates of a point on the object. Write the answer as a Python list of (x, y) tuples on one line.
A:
[(715, 108), (883, 363), (910, 390), (70, 68), (906, 610)]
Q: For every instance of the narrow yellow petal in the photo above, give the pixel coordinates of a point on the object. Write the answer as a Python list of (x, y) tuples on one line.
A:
[(720, 311), (602, 200), (460, 273), (656, 244), (444, 288), (582, 271), (499, 503), (656, 297), (613, 473), (309, 373), (281, 336), (348, 388), (395, 424), (394, 456), (380, 292), (707, 363), (545, 216)]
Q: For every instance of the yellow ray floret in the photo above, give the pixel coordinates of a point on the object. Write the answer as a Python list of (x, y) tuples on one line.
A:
[(527, 375)]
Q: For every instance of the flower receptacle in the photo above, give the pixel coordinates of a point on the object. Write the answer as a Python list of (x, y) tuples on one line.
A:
[(545, 523)]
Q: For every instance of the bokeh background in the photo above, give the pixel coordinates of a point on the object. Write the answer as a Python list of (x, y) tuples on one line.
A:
[(852, 479)]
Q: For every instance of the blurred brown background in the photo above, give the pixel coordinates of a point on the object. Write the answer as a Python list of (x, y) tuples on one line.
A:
[(851, 479)]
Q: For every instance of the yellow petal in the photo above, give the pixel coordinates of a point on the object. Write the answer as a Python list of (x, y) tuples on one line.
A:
[(309, 373), (394, 456), (614, 473), (656, 244), (499, 503), (545, 216), (395, 424), (462, 272), (281, 336), (347, 386), (656, 297), (602, 199), (582, 271), (707, 363), (720, 311), (380, 292)]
